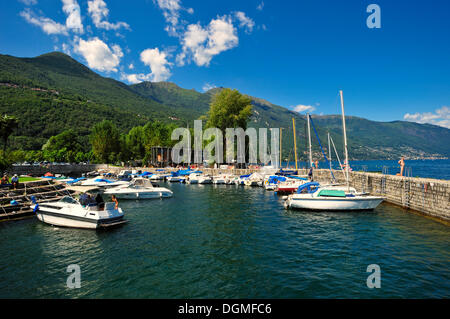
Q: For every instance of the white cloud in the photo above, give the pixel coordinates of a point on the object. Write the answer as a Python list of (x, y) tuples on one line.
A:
[(207, 86), (304, 108), (133, 78), (171, 11), (98, 55), (244, 21), (202, 44), (260, 6), (440, 117), (72, 9), (66, 48), (99, 13), (29, 2), (46, 24), (159, 66), (131, 66), (157, 61)]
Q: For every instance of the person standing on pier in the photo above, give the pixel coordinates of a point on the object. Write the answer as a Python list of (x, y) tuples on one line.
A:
[(402, 165)]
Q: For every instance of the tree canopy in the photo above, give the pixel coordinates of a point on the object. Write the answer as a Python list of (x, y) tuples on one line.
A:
[(229, 109)]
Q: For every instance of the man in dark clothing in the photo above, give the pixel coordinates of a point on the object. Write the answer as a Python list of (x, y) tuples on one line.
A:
[(100, 201), (310, 174)]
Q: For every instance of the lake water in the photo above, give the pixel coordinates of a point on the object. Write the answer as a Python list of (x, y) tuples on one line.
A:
[(229, 242), (439, 169)]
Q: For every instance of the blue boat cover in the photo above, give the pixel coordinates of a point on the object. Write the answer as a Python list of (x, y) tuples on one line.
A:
[(146, 174), (99, 180), (307, 186), (76, 180), (276, 179)]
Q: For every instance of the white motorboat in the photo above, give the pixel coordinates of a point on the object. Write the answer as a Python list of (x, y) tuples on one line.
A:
[(101, 182), (139, 188), (68, 212), (156, 177), (174, 179), (241, 179), (193, 178), (254, 179), (205, 179), (231, 179), (219, 179), (271, 182), (311, 196)]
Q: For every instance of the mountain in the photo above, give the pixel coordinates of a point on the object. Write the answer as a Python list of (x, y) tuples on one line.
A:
[(53, 92)]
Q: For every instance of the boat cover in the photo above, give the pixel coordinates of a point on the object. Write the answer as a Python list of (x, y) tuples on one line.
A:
[(307, 186), (331, 193)]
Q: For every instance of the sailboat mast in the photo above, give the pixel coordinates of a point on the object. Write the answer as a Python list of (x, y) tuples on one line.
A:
[(295, 143), (281, 145), (345, 137), (309, 142), (329, 149)]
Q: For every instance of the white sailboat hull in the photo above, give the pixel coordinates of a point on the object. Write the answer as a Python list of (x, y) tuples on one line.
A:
[(335, 204)]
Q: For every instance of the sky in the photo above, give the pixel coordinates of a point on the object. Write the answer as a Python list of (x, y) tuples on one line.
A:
[(297, 54)]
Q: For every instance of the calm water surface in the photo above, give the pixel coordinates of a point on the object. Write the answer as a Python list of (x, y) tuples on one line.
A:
[(229, 242)]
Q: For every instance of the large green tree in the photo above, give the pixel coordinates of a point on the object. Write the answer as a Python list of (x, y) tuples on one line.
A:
[(105, 140), (7, 126), (68, 139), (229, 109)]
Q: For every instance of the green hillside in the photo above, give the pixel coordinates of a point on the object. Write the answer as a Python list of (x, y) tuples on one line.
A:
[(53, 92)]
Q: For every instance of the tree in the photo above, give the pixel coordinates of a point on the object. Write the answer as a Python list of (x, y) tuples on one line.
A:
[(105, 140), (7, 126), (135, 143), (67, 139), (229, 109)]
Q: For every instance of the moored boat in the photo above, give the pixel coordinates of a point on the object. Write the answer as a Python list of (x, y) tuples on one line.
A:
[(139, 188), (68, 212)]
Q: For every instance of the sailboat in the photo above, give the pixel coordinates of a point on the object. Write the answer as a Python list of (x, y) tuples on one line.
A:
[(312, 196)]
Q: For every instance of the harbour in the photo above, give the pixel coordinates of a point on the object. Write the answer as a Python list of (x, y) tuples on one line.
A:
[(225, 241)]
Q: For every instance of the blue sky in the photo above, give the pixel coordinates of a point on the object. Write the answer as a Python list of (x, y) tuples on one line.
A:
[(296, 54)]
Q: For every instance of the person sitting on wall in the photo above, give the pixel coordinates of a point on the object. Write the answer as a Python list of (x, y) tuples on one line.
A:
[(4, 180), (15, 181)]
